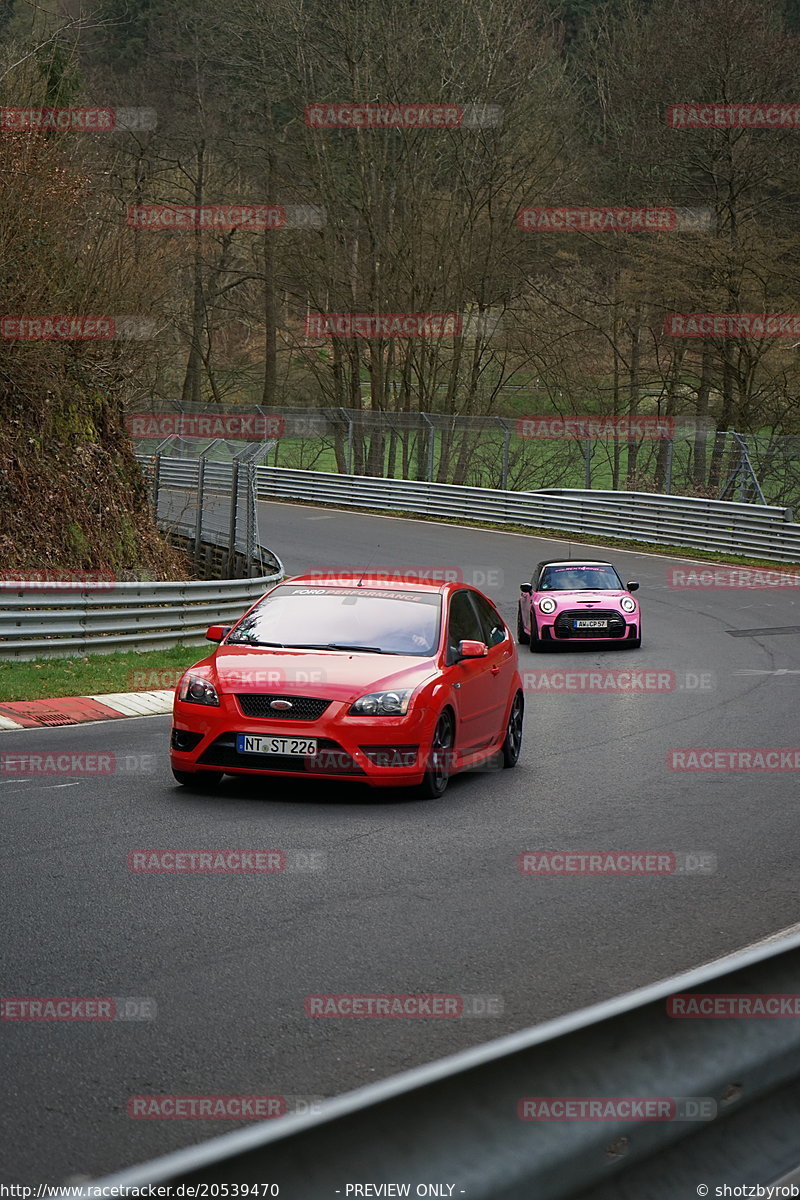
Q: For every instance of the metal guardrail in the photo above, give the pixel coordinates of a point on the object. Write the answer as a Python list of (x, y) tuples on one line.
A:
[(39, 622), (48, 620), (456, 1122), (756, 531)]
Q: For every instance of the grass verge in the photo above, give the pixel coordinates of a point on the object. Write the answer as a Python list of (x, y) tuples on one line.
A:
[(47, 678)]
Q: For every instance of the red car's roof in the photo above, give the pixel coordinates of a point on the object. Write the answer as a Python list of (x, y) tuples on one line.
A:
[(386, 582)]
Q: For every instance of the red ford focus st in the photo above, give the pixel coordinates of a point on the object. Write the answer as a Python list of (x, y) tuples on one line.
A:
[(392, 684)]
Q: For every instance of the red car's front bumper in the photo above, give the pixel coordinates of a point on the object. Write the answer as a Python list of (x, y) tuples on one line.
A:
[(380, 751)]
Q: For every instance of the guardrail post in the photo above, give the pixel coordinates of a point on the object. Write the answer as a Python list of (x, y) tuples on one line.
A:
[(431, 444), (198, 521), (506, 448), (668, 471), (156, 481), (587, 464), (233, 515), (349, 452), (251, 501)]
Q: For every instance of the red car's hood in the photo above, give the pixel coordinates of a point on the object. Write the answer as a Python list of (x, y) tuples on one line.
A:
[(334, 674), (610, 598)]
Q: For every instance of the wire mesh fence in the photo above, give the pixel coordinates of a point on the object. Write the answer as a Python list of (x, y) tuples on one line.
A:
[(497, 452), (217, 511)]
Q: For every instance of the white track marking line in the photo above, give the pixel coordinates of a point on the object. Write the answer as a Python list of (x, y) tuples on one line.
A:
[(790, 931)]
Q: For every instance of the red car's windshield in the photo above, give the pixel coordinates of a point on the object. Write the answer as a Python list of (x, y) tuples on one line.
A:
[(579, 579), (385, 622)]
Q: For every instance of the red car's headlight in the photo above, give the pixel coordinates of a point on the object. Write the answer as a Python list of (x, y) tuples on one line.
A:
[(382, 704), (195, 689)]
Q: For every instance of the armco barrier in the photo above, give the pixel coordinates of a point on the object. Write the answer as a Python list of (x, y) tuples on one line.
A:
[(755, 531), (40, 623), (44, 621), (455, 1122)]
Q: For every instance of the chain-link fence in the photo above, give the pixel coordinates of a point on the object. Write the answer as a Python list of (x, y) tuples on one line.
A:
[(498, 452), (213, 515)]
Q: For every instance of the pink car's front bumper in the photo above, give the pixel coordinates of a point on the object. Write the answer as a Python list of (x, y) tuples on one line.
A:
[(558, 627)]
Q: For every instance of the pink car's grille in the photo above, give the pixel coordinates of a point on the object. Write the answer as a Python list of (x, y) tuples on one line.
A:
[(615, 628)]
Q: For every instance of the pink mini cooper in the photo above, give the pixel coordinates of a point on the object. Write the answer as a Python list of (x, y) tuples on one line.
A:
[(577, 602)]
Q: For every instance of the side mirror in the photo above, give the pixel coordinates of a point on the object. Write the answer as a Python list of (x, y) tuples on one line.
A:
[(526, 588), (632, 586), (470, 649), (215, 633)]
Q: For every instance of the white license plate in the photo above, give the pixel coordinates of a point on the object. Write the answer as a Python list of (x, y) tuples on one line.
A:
[(590, 624), (247, 743)]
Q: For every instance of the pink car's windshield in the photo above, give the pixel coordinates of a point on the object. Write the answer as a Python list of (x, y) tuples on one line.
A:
[(579, 579)]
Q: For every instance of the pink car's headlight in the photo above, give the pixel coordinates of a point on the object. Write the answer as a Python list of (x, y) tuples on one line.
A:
[(627, 604), (547, 605)]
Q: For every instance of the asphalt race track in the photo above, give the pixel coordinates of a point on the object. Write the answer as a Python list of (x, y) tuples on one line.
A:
[(413, 896)]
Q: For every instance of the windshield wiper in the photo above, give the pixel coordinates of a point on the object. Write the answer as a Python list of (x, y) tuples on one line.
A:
[(249, 642), (337, 646)]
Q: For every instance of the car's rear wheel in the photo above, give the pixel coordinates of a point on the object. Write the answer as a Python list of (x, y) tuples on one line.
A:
[(199, 780), (512, 744), (437, 776), (522, 637)]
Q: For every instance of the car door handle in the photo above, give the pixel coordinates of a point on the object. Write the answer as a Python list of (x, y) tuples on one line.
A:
[(495, 670)]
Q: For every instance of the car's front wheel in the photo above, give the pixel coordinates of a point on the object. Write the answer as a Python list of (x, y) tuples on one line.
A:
[(512, 744), (522, 637), (437, 775), (535, 642), (200, 780)]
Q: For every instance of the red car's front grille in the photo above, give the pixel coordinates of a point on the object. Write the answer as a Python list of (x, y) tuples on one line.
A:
[(303, 708)]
